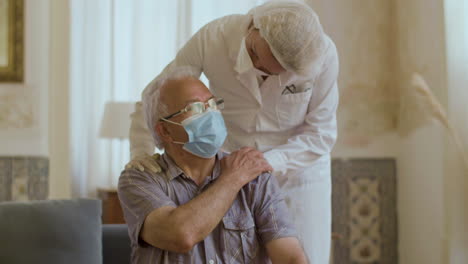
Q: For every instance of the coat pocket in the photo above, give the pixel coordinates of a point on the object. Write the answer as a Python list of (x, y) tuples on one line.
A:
[(291, 109)]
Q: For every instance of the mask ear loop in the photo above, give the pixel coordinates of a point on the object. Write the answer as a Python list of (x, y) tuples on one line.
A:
[(172, 122), (175, 123)]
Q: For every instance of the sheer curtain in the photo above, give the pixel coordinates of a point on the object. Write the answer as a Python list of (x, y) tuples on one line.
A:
[(117, 47), (456, 176)]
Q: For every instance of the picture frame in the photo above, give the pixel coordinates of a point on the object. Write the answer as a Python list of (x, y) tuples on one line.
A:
[(11, 40)]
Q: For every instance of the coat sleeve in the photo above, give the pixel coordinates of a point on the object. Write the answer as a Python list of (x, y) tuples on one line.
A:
[(190, 55), (315, 138), (141, 141)]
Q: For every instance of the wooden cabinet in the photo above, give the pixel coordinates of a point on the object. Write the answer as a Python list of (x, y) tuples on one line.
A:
[(111, 209)]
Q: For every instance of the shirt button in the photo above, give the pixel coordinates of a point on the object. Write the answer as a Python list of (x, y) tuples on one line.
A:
[(211, 261)]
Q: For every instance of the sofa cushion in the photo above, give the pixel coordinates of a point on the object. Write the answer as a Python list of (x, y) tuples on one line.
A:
[(115, 244), (53, 231)]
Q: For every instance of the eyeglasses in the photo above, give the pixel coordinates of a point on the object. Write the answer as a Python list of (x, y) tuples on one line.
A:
[(196, 108)]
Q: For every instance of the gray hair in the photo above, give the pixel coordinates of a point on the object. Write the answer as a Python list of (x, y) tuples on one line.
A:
[(153, 108)]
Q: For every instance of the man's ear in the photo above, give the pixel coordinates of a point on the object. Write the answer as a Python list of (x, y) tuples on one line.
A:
[(162, 131)]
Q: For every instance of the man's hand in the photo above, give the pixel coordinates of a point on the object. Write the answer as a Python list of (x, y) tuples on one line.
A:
[(244, 165), (145, 162)]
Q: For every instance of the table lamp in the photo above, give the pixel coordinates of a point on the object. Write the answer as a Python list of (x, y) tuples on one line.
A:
[(115, 125), (116, 120)]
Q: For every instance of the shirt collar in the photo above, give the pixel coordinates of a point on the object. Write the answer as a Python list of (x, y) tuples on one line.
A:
[(170, 167), (173, 171)]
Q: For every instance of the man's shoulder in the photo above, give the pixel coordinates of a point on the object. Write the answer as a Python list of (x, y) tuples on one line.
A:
[(135, 174), (263, 179)]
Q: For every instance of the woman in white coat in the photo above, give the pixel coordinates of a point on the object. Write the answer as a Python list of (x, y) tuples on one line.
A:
[(277, 72)]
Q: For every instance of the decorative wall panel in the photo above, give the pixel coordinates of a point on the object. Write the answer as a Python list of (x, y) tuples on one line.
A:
[(364, 211), (24, 178)]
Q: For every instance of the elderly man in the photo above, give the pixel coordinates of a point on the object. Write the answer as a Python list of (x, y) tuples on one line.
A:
[(205, 206)]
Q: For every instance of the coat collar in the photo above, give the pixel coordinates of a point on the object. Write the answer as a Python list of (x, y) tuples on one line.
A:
[(236, 36)]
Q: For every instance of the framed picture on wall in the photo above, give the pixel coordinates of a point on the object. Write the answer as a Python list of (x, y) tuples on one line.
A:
[(11, 40)]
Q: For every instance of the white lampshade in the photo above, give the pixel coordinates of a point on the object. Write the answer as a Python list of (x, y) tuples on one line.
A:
[(116, 120)]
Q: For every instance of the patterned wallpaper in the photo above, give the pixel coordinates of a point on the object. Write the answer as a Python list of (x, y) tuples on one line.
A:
[(365, 211)]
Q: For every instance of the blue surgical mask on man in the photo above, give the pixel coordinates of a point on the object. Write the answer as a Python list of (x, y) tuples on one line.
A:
[(206, 132)]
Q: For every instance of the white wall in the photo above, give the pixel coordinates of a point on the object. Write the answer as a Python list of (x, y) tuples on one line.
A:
[(59, 112), (380, 44), (421, 48), (456, 173), (34, 114), (363, 34), (24, 106), (367, 113)]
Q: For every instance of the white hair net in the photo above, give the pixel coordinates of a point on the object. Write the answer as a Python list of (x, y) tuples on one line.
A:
[(294, 34), (153, 107)]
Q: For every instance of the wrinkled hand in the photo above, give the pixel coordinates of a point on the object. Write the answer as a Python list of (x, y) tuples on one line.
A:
[(145, 162), (244, 165)]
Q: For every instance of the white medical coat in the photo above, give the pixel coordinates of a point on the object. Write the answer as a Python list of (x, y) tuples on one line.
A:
[(296, 131)]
